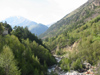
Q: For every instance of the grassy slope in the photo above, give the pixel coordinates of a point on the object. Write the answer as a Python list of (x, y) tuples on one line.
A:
[(73, 20), (88, 47)]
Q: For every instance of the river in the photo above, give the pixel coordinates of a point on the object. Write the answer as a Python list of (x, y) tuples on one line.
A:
[(52, 68), (58, 70)]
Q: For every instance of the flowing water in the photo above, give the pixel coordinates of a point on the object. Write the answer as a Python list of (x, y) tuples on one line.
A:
[(59, 71), (52, 68)]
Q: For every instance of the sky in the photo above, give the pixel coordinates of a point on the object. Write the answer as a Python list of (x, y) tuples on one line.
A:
[(40, 11)]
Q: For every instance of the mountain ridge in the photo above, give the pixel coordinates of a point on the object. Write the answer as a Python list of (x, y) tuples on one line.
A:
[(32, 26), (78, 17), (80, 28)]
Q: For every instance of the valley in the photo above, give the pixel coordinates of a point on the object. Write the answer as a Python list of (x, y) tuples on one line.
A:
[(76, 38), (71, 46)]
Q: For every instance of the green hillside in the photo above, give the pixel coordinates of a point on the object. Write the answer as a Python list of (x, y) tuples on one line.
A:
[(88, 45), (81, 29), (22, 53), (75, 39), (79, 17)]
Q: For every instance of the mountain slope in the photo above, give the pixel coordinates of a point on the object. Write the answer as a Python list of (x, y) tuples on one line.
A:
[(80, 45), (22, 53), (76, 38), (85, 13), (38, 29), (32, 26)]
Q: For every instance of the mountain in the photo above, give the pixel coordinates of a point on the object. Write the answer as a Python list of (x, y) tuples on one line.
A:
[(50, 24), (76, 38), (34, 27), (80, 16), (22, 53), (38, 28)]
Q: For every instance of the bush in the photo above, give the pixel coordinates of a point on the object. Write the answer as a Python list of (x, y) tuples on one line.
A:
[(77, 65)]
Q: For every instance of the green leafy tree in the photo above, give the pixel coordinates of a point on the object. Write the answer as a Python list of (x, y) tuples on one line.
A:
[(1, 28), (8, 63), (77, 64), (65, 64)]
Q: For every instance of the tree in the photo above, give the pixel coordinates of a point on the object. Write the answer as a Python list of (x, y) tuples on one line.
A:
[(65, 64), (36, 72), (7, 62), (1, 28), (77, 64)]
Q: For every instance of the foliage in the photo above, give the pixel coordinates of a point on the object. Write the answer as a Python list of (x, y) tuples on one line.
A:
[(53, 73), (1, 28), (77, 64), (7, 62), (8, 27), (5, 25), (65, 64), (24, 54), (88, 38), (24, 33)]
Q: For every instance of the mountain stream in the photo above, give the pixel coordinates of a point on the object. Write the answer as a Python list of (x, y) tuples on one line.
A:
[(59, 71)]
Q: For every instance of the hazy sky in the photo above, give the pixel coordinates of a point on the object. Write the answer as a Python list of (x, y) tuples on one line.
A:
[(40, 11)]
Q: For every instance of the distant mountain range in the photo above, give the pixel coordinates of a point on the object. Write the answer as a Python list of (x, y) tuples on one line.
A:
[(34, 27)]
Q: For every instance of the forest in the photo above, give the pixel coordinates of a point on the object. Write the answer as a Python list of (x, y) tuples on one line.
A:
[(22, 53), (67, 46), (88, 48)]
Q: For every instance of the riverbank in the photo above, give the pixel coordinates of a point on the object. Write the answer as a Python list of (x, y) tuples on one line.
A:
[(56, 69)]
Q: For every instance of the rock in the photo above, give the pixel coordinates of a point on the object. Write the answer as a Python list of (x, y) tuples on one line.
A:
[(96, 2), (74, 73), (87, 65), (88, 72)]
